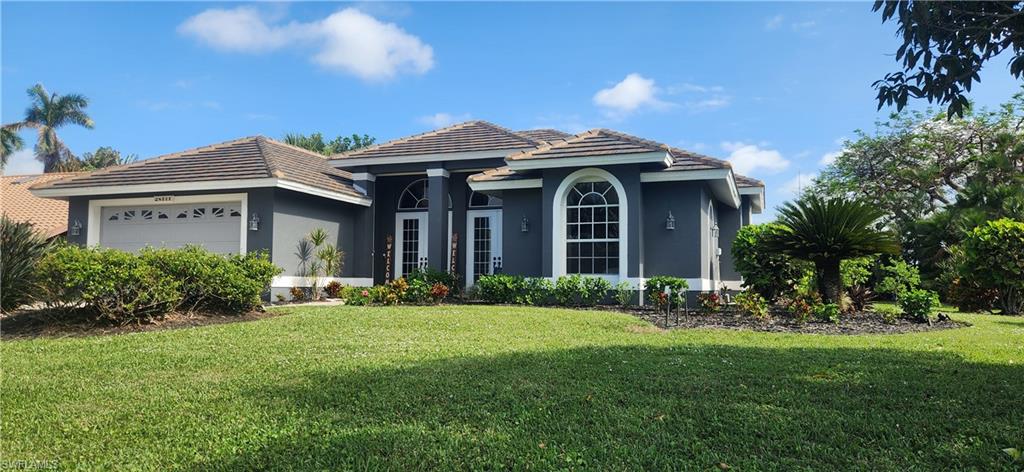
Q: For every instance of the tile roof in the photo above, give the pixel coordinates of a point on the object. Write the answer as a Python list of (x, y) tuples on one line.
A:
[(686, 160), (544, 134), (497, 174), (596, 142), (744, 181), (463, 137), (254, 157), (49, 216)]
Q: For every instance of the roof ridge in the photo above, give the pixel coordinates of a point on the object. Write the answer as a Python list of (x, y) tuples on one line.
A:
[(272, 168), (403, 139), (548, 145), (314, 155), (635, 139), (146, 162), (508, 131)]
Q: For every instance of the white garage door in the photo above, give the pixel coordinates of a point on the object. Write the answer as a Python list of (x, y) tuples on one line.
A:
[(216, 226)]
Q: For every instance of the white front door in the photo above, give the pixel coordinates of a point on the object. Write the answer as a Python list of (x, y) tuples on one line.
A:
[(410, 242), (484, 243)]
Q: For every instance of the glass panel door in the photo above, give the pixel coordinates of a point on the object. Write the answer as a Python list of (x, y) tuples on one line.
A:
[(410, 242), (484, 245)]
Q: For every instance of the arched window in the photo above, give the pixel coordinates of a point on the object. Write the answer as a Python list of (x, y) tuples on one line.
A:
[(481, 200), (592, 228), (416, 197)]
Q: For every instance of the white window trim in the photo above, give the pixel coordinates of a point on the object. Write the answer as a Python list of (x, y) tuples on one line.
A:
[(558, 236), (92, 235), (498, 185)]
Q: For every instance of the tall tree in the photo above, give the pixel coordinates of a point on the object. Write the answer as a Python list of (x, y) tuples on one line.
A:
[(48, 113), (945, 45), (11, 142), (103, 157), (315, 142), (827, 231)]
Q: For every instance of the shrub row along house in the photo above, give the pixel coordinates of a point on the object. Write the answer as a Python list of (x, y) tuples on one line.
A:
[(473, 199)]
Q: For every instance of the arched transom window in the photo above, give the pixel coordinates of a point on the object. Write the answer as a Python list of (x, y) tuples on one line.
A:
[(592, 229), (416, 197), (481, 200)]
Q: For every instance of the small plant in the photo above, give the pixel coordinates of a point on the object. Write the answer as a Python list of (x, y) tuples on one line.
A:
[(917, 305), (357, 296), (828, 312), (890, 314), (709, 302), (898, 277), (22, 248), (753, 304), (393, 292), (860, 297), (656, 290), (280, 298), (333, 289), (504, 288), (801, 309), (567, 289), (298, 294), (438, 292), (623, 293)]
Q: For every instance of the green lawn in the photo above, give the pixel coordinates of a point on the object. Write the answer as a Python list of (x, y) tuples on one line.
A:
[(526, 388)]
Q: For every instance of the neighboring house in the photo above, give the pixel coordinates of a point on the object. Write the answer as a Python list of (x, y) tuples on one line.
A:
[(534, 203), (48, 216)]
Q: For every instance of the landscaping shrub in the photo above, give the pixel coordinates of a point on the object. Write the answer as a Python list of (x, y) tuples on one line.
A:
[(418, 291), (898, 277), (117, 285), (994, 260), (890, 314), (298, 294), (769, 273), (753, 304), (856, 271), (917, 304), (432, 276), (22, 248), (215, 282), (357, 296), (333, 289), (801, 308), (594, 290), (438, 292), (827, 312), (709, 302), (577, 290), (860, 297), (504, 288), (656, 290), (623, 293)]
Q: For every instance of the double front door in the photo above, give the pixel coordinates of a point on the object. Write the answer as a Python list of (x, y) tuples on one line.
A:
[(483, 253)]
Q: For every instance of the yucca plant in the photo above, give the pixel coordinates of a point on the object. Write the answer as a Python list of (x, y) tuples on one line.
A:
[(21, 247), (826, 231)]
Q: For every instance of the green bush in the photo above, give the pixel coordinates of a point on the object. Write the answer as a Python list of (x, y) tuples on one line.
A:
[(432, 277), (534, 291), (655, 287), (709, 302), (504, 288), (769, 273), (827, 312), (890, 314), (22, 248), (577, 290), (595, 289), (215, 282), (898, 277), (994, 260), (753, 304), (623, 293), (917, 304), (856, 271), (358, 296), (119, 286)]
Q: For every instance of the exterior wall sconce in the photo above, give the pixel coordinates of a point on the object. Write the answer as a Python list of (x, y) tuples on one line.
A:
[(670, 222), (76, 228), (714, 231), (254, 222), (524, 225)]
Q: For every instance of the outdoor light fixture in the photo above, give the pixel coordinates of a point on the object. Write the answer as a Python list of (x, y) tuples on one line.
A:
[(76, 228), (670, 222), (714, 231), (524, 226), (254, 222)]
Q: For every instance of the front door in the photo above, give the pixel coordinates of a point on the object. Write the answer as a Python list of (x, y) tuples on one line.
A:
[(484, 244), (410, 242)]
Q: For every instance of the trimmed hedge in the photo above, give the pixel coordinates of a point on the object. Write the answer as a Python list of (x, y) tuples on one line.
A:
[(122, 286)]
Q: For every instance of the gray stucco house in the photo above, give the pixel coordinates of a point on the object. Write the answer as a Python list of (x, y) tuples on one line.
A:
[(473, 198)]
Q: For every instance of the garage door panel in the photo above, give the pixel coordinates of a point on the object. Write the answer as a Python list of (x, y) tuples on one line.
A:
[(215, 226)]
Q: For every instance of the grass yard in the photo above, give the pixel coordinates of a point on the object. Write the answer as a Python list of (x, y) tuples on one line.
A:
[(476, 387)]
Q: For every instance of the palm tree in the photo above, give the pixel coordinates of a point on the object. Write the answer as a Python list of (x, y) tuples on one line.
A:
[(11, 142), (826, 231), (49, 112)]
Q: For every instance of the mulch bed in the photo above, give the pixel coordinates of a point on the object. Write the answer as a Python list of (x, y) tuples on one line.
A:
[(45, 323), (780, 322)]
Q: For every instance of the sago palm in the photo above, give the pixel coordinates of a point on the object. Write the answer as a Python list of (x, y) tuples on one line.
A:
[(826, 231), (49, 112)]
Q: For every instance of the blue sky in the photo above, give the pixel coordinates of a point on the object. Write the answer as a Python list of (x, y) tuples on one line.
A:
[(772, 86)]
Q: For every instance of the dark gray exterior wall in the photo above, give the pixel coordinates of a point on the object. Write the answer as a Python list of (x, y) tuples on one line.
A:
[(296, 215), (521, 250), (675, 252), (729, 223)]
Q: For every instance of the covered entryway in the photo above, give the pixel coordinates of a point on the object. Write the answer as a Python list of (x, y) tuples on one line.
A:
[(217, 226)]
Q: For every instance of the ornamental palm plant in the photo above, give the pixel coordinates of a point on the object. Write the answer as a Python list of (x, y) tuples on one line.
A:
[(46, 114), (826, 231), (12, 143)]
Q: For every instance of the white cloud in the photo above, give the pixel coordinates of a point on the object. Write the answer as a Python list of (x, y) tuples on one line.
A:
[(634, 92), (746, 158), (829, 157), (23, 162), (796, 185), (348, 41), (165, 105), (441, 120), (708, 104), (773, 23)]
